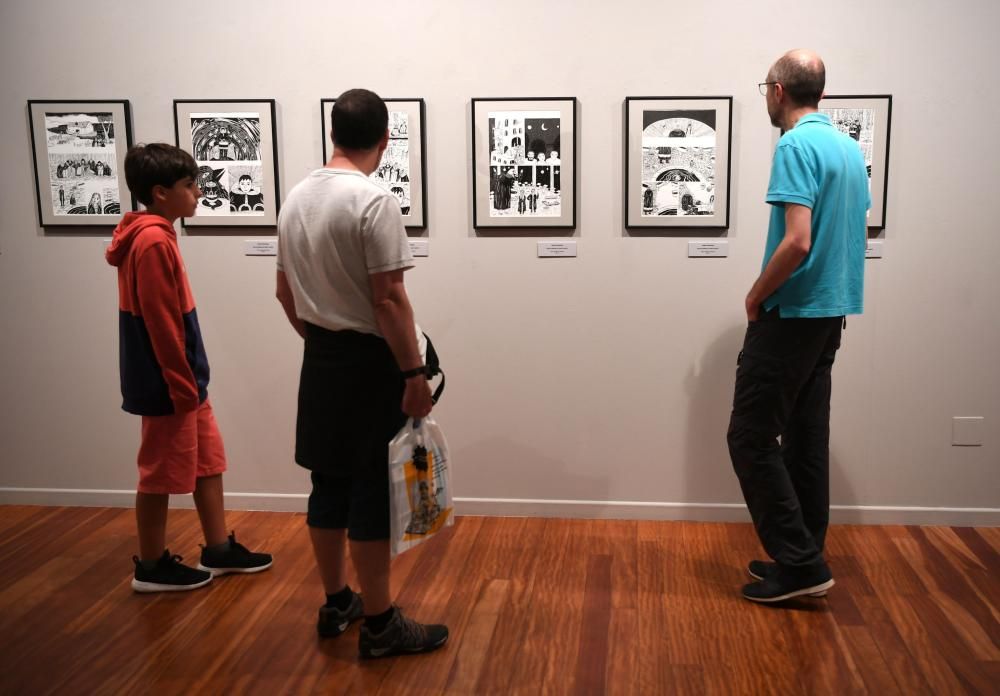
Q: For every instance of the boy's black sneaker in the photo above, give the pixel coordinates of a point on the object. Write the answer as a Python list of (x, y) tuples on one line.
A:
[(168, 575), (761, 570), (237, 558), (333, 621), (782, 585), (401, 636)]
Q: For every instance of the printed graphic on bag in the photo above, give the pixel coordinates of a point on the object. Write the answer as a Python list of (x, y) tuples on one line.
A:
[(422, 476)]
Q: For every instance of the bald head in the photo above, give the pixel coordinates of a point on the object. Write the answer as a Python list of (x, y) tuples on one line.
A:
[(802, 74)]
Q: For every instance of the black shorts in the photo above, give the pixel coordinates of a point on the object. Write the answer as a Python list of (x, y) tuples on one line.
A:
[(350, 394)]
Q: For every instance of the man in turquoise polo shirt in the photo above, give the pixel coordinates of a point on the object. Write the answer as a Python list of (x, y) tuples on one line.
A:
[(812, 277)]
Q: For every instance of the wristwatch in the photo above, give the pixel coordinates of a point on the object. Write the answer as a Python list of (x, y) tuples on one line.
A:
[(422, 370)]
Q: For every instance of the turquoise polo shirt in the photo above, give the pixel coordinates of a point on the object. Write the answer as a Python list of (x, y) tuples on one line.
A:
[(817, 166)]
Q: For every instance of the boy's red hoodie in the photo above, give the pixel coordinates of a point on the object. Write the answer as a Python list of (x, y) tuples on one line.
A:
[(163, 365)]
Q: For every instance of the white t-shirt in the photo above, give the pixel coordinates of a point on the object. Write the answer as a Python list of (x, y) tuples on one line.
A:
[(336, 228)]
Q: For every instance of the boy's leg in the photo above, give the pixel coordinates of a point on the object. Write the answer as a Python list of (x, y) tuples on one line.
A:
[(220, 555), (208, 494), (151, 523), (209, 500)]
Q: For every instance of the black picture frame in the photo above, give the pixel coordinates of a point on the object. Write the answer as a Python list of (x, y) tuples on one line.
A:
[(486, 166), (264, 111), (43, 112), (690, 200), (877, 156), (416, 219)]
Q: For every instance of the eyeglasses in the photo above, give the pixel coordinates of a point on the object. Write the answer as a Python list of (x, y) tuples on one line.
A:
[(762, 86)]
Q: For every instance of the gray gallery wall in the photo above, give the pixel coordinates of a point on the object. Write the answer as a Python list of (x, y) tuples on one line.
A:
[(593, 386)]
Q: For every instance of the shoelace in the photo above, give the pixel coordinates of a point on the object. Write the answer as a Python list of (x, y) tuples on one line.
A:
[(412, 632), (235, 545)]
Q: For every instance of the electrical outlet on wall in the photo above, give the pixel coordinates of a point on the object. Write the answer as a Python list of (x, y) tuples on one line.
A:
[(967, 431)]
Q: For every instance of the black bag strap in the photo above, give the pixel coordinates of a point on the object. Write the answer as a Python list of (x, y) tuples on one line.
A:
[(434, 369)]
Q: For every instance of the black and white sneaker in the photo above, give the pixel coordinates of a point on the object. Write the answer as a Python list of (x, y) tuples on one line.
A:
[(168, 575), (236, 558), (401, 636), (782, 585), (333, 621), (761, 570)]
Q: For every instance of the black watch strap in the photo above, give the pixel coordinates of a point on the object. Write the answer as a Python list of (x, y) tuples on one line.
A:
[(422, 370)]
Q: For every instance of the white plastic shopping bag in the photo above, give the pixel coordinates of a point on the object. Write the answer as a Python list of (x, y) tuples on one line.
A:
[(420, 503)]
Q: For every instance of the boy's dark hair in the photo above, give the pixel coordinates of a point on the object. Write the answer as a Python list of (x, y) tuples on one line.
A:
[(358, 119), (156, 164), (397, 189), (247, 177)]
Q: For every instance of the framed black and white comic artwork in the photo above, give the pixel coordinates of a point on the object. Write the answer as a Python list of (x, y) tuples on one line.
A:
[(402, 170), (233, 142), (677, 162), (867, 119), (79, 154), (524, 162)]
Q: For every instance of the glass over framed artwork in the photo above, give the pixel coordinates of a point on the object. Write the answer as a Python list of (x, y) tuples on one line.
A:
[(677, 162), (79, 150), (402, 170), (867, 119), (233, 142), (524, 162)]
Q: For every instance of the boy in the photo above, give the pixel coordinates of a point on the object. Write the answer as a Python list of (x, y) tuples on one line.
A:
[(164, 377)]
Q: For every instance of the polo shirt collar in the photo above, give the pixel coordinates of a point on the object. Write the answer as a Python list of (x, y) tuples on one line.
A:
[(815, 117)]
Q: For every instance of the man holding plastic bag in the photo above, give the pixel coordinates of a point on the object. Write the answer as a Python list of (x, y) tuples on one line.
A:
[(342, 252)]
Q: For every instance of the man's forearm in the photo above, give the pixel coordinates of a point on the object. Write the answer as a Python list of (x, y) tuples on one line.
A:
[(293, 319), (283, 292), (394, 317), (787, 257)]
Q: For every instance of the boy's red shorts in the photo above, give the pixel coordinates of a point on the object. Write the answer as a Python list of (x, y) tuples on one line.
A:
[(178, 449)]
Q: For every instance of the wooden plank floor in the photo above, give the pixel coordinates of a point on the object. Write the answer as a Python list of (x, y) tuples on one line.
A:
[(534, 605)]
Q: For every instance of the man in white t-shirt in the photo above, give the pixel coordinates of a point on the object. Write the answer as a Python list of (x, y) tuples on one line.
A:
[(342, 252)]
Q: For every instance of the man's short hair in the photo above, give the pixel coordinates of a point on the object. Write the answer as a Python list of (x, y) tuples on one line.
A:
[(803, 80), (156, 164), (359, 119)]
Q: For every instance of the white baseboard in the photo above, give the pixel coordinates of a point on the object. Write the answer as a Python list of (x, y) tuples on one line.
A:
[(521, 507)]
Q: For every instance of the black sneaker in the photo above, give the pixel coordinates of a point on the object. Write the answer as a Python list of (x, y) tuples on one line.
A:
[(401, 636), (168, 575), (760, 570), (781, 586), (235, 559), (333, 621)]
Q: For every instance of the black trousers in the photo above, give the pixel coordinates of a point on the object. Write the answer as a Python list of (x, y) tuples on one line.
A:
[(783, 391)]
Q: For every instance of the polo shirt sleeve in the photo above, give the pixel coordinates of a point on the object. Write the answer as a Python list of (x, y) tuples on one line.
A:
[(387, 247), (793, 177)]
